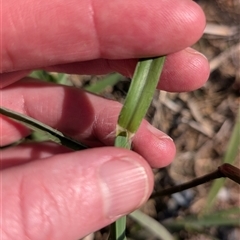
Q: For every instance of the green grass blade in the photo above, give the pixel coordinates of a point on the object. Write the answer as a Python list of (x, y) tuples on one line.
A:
[(137, 102), (59, 78), (157, 229), (123, 141), (228, 217), (140, 93), (118, 229), (101, 85), (230, 156)]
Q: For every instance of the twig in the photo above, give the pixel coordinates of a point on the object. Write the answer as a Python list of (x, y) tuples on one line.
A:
[(220, 30), (225, 170), (218, 60)]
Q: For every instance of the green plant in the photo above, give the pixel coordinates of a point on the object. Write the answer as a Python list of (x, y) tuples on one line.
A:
[(146, 76), (229, 157)]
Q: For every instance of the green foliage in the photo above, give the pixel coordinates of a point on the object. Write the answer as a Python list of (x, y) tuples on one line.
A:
[(229, 217), (137, 102), (153, 226), (230, 156), (59, 78), (101, 85)]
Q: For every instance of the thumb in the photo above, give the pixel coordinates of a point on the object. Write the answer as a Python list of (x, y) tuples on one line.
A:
[(69, 195)]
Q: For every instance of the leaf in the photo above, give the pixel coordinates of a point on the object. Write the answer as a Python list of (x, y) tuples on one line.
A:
[(157, 229), (101, 85), (52, 134), (230, 156), (229, 217), (137, 102)]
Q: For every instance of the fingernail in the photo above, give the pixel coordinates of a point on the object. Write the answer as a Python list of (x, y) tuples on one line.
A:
[(157, 133), (124, 185), (195, 52)]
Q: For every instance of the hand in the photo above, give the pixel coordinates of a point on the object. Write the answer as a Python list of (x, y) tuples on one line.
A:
[(48, 191)]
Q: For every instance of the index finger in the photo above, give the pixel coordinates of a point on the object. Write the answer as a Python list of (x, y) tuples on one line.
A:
[(38, 34)]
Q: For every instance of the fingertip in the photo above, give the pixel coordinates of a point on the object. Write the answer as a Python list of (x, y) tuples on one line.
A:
[(186, 70), (195, 19), (199, 68), (163, 151), (163, 154), (155, 146)]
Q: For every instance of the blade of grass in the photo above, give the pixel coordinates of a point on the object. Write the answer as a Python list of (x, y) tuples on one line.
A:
[(102, 84), (52, 134), (137, 102), (118, 229), (157, 229), (140, 94), (230, 156), (228, 217), (59, 78)]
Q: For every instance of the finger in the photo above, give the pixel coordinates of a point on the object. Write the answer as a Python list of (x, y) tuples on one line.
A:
[(83, 116), (186, 70), (11, 77), (87, 30), (71, 195), (23, 153)]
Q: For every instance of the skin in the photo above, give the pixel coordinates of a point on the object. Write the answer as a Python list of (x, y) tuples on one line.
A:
[(48, 191)]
